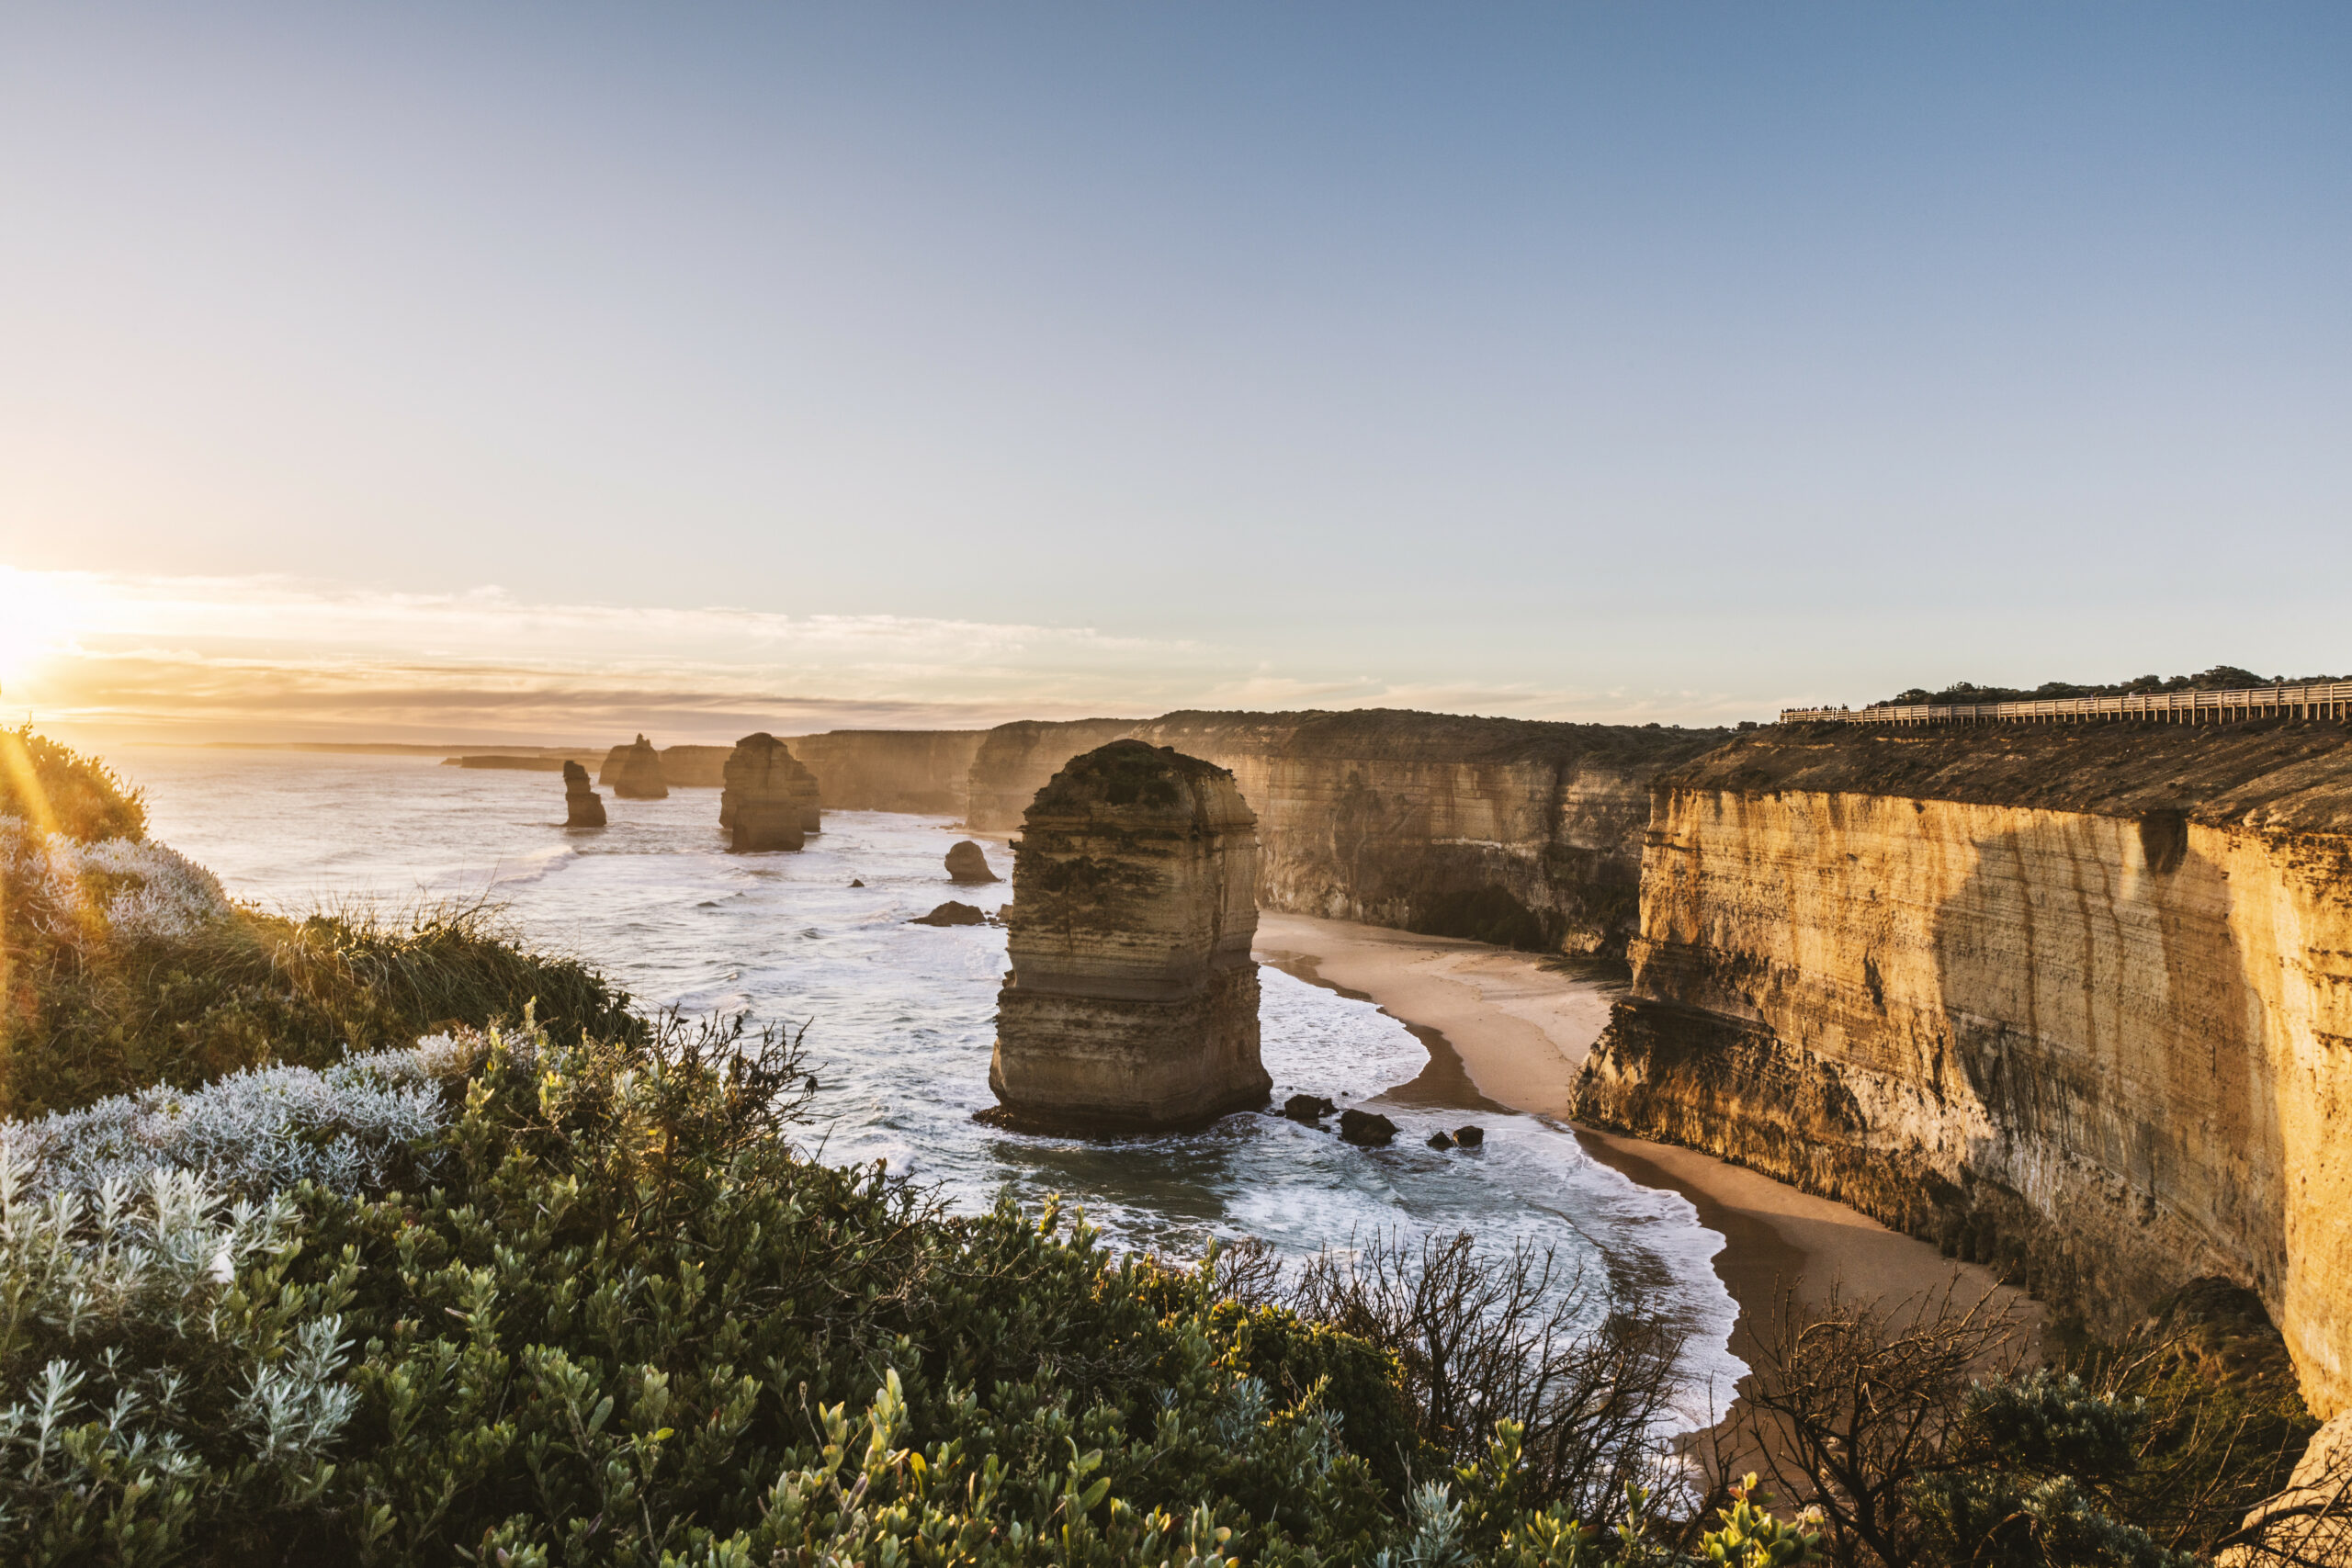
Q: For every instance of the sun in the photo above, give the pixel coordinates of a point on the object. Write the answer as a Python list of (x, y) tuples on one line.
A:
[(35, 614)]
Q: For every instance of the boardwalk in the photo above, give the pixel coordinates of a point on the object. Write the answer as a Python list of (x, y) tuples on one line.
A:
[(2331, 700)]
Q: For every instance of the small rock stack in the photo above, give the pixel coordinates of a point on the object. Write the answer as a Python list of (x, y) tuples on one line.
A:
[(1133, 1000), (770, 800), (582, 806), (635, 772), (966, 862)]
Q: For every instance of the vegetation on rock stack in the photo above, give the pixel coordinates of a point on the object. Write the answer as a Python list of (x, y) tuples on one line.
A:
[(123, 964)]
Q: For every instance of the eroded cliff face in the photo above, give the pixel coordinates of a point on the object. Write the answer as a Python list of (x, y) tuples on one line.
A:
[(2077, 1002), (1507, 830), (892, 769), (1013, 762)]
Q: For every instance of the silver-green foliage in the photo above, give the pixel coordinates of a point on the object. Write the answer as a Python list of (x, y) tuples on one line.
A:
[(161, 1375)]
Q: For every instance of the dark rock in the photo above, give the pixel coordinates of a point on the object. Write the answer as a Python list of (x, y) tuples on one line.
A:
[(1440, 1140), (635, 772), (1470, 1137), (1307, 1108), (853, 882), (768, 797), (583, 807), (951, 914), (966, 863), (1366, 1127)]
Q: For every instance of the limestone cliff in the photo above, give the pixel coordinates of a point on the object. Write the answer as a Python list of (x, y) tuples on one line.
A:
[(1132, 1000), (634, 772), (924, 771), (1522, 833), (1014, 761), (695, 767), (2075, 1001)]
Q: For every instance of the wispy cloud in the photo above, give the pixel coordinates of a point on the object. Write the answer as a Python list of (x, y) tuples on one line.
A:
[(276, 658)]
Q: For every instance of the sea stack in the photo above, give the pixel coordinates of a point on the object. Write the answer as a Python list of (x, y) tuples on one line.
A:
[(966, 862), (635, 772), (1132, 1004), (769, 798), (584, 807)]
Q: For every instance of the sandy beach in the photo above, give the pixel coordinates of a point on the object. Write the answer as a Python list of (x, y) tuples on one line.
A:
[(1512, 1029)]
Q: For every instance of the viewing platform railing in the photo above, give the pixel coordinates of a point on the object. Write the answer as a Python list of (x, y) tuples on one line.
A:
[(2278, 700)]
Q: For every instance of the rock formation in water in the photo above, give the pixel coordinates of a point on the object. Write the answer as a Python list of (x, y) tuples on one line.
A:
[(966, 863), (1133, 1000), (1369, 1128), (925, 771), (765, 804), (779, 776), (634, 772), (582, 806), (2077, 1001), (1014, 761), (952, 913)]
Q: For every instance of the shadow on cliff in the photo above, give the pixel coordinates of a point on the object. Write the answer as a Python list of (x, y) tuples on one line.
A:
[(2098, 1041)]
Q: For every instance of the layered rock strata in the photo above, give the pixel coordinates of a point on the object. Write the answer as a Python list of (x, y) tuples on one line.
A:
[(768, 797), (1131, 1003), (2077, 1002), (1015, 760), (582, 806), (925, 771), (634, 772), (1512, 831)]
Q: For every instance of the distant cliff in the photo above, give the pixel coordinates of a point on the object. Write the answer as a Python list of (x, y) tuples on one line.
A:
[(2074, 1001), (923, 771), (1508, 831), (1013, 762)]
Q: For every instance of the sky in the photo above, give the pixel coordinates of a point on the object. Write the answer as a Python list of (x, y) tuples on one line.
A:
[(534, 372)]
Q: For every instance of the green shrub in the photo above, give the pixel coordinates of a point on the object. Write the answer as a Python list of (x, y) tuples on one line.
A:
[(631, 1325), (60, 791)]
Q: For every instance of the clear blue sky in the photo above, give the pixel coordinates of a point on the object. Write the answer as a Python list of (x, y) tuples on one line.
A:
[(1668, 359)]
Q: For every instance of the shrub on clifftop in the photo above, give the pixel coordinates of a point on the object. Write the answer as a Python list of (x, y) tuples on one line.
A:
[(123, 964), (626, 1323)]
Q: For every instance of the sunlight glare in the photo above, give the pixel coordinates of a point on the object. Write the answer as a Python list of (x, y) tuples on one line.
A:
[(35, 614)]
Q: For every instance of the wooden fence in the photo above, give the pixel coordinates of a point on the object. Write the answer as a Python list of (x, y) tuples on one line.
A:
[(2278, 700)]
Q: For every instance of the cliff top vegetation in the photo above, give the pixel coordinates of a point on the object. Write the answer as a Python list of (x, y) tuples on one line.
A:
[(2220, 678), (2282, 774), (1444, 737), (59, 790)]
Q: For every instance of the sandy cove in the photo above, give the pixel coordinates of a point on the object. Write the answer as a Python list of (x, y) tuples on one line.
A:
[(1512, 1029)]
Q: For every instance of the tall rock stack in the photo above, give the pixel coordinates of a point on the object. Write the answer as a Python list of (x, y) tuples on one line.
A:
[(635, 772), (1133, 1000), (770, 800), (582, 806)]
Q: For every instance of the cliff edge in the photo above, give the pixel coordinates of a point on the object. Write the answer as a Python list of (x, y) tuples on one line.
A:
[(2073, 1001)]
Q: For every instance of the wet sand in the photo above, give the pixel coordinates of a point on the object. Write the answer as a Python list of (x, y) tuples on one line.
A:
[(1511, 1030)]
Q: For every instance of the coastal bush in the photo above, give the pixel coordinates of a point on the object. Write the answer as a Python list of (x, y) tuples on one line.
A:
[(122, 964), (621, 1321), (60, 791), (356, 1126), (1921, 1439)]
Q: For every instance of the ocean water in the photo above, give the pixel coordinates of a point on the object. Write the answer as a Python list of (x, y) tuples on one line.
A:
[(900, 1017)]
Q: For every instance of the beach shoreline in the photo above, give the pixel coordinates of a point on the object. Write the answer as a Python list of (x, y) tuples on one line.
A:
[(1511, 1030)]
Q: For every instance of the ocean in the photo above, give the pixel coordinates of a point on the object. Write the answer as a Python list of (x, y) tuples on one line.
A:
[(900, 1018)]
